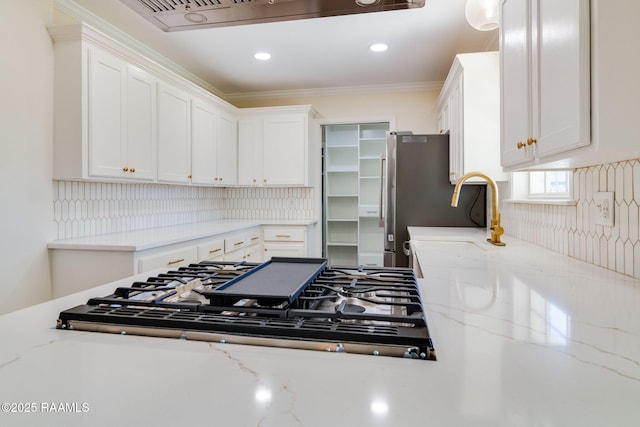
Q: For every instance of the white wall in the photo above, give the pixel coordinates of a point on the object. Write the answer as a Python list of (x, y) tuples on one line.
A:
[(26, 135), (412, 110)]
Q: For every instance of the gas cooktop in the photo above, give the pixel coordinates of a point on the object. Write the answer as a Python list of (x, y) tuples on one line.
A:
[(285, 302)]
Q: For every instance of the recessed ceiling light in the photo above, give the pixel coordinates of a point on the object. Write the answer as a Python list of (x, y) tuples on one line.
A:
[(378, 47), (262, 56)]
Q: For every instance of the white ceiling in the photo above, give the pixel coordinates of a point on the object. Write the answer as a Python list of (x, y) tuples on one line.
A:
[(310, 54)]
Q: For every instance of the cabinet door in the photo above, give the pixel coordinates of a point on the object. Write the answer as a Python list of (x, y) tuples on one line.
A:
[(456, 134), (515, 90), (563, 79), (174, 143), (250, 152), (203, 144), (273, 249), (141, 125), (106, 115), (284, 150), (227, 154)]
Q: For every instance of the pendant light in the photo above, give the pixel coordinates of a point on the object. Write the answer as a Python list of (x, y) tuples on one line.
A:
[(482, 14)]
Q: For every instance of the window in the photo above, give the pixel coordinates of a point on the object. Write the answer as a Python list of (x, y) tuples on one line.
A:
[(550, 184)]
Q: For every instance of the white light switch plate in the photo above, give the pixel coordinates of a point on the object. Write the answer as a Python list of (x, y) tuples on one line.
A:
[(604, 208)]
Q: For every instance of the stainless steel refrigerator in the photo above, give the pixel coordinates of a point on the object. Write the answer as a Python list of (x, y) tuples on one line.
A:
[(417, 192)]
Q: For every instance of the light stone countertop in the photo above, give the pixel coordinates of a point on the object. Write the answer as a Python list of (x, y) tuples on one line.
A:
[(138, 240), (523, 336)]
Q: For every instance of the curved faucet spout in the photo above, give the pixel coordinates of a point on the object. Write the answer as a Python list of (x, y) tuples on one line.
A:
[(496, 228)]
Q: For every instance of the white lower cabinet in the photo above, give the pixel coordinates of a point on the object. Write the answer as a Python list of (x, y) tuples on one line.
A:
[(283, 241), (170, 259), (211, 250), (74, 270), (244, 246)]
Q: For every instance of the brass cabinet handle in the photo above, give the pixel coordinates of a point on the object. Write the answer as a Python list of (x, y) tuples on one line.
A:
[(531, 141), (521, 145), (254, 180), (213, 251), (175, 261), (255, 238), (125, 169), (132, 170), (283, 235), (264, 180), (238, 243), (189, 176)]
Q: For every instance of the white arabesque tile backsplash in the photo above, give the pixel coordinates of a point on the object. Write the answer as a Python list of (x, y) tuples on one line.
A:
[(572, 230), (92, 208)]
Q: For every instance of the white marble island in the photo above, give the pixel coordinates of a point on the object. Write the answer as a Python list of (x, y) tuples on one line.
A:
[(524, 337)]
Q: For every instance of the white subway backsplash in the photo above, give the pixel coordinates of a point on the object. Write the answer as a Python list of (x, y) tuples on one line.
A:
[(572, 230), (92, 208)]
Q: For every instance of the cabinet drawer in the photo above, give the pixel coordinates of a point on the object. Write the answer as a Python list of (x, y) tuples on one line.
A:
[(283, 250), (371, 260), (284, 234), (172, 259), (254, 237), (235, 242), (369, 210), (211, 250)]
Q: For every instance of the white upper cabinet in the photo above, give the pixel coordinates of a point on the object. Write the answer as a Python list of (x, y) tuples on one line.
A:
[(114, 135), (274, 146), (106, 114), (284, 149), (469, 109), (121, 117), (227, 149), (545, 90), (204, 123), (250, 151), (174, 135), (141, 127)]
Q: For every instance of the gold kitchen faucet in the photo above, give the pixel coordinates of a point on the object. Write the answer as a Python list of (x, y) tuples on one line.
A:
[(496, 228)]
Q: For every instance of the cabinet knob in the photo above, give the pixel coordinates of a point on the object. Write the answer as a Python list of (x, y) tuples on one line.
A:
[(132, 170), (531, 141), (125, 169), (254, 180), (189, 177), (521, 145), (220, 179), (264, 180)]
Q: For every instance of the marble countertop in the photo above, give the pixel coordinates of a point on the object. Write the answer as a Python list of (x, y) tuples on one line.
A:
[(139, 240), (524, 337)]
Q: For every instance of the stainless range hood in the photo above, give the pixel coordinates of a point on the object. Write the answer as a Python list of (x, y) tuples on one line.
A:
[(178, 15)]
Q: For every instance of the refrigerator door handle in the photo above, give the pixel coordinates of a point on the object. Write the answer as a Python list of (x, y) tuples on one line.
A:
[(380, 212)]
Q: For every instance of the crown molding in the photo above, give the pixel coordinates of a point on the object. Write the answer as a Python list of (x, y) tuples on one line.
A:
[(82, 15), (333, 91)]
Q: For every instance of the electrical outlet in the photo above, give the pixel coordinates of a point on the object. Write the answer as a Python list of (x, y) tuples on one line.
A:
[(604, 208)]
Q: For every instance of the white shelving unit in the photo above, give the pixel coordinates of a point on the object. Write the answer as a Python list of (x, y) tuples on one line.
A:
[(352, 193)]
